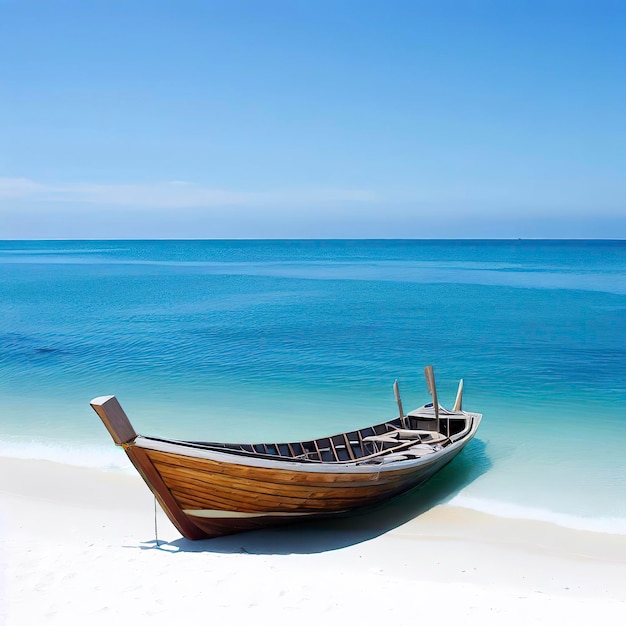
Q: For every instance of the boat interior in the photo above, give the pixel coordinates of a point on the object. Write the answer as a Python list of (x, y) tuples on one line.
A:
[(410, 436)]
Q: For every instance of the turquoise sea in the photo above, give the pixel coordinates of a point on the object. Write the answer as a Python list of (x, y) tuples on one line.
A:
[(252, 340)]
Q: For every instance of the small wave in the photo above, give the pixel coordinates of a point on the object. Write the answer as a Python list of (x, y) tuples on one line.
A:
[(608, 525), (79, 455), (47, 251)]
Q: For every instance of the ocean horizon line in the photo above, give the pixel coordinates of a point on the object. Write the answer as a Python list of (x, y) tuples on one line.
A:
[(337, 239)]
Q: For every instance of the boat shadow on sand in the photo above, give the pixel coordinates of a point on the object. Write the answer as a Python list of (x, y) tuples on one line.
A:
[(332, 534)]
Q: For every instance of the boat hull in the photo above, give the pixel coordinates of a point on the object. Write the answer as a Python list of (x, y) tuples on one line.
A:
[(209, 497), (209, 489)]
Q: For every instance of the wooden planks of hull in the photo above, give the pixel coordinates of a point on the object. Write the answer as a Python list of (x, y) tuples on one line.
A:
[(152, 478), (219, 527), (197, 483), (261, 473)]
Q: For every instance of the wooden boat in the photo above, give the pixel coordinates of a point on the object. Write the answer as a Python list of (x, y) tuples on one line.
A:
[(209, 489)]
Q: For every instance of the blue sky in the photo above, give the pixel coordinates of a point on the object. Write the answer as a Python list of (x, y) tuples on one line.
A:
[(312, 119)]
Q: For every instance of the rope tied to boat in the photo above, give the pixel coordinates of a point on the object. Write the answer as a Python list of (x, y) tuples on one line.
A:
[(156, 533)]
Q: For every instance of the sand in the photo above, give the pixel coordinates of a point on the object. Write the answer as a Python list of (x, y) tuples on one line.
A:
[(78, 546)]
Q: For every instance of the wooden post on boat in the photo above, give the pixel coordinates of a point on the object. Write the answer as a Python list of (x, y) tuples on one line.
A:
[(458, 403), (113, 417), (121, 430), (430, 380), (396, 393)]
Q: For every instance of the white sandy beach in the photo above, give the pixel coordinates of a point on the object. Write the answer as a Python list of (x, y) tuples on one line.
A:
[(77, 545)]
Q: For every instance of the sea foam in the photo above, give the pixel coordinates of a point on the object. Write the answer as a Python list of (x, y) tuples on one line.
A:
[(609, 525), (90, 456)]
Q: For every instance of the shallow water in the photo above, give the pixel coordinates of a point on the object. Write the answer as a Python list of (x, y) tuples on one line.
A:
[(281, 339)]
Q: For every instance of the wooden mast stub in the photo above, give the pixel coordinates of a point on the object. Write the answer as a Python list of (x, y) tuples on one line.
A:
[(396, 393), (432, 387), (113, 417)]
